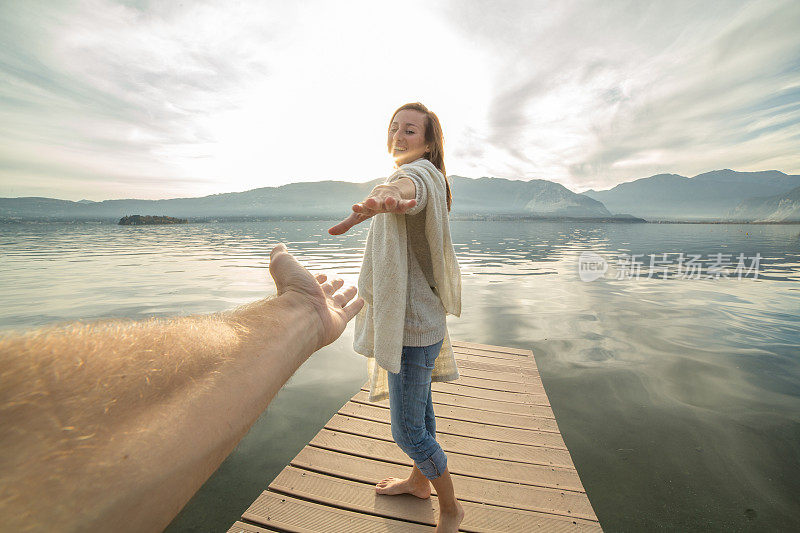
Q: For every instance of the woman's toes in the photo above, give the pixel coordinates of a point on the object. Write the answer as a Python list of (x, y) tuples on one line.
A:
[(385, 481)]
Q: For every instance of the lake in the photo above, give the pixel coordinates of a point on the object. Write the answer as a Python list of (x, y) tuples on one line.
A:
[(677, 389)]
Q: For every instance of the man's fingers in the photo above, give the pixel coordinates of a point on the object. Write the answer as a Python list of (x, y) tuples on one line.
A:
[(279, 254), (332, 286), (353, 308), (280, 247), (283, 266), (321, 277), (341, 298)]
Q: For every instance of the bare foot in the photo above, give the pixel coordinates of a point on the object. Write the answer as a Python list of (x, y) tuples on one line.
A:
[(394, 485), (449, 521)]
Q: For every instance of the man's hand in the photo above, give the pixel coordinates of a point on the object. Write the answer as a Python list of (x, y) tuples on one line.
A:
[(294, 280), (385, 198)]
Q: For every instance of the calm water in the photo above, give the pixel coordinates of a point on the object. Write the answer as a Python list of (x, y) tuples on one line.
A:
[(679, 399)]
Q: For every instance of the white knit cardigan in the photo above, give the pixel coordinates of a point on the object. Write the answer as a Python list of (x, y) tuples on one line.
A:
[(384, 277)]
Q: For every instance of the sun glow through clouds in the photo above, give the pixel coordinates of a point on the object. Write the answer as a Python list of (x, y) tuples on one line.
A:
[(108, 100)]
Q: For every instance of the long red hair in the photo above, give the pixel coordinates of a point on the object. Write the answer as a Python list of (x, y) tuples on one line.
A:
[(434, 136)]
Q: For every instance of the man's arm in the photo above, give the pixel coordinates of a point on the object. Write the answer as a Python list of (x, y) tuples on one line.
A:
[(116, 424)]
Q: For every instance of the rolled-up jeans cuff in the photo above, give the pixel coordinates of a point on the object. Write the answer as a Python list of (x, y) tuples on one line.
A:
[(433, 467)]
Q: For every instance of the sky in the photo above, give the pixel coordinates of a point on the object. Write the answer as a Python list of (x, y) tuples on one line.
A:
[(102, 99)]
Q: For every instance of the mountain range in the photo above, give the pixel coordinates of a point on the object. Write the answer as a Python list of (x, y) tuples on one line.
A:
[(778, 208), (722, 195)]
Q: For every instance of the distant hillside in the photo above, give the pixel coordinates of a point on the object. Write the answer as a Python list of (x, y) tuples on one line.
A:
[(709, 196), (319, 199), (534, 198), (323, 199), (779, 208)]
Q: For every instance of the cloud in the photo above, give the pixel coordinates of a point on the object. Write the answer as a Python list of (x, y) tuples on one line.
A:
[(103, 99), (595, 93), (118, 88)]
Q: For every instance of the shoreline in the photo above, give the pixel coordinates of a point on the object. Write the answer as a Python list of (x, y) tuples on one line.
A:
[(454, 218)]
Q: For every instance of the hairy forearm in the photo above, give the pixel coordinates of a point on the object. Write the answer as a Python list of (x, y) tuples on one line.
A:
[(115, 416)]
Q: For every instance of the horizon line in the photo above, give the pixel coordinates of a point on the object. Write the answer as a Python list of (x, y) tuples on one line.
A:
[(375, 179)]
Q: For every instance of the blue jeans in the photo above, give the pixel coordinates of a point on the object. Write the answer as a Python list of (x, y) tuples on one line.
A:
[(411, 408)]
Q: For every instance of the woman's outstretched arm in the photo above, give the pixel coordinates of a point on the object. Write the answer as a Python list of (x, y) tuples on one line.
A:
[(396, 197), (114, 425)]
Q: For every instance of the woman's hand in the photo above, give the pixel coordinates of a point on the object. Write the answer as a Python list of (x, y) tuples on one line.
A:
[(384, 198)]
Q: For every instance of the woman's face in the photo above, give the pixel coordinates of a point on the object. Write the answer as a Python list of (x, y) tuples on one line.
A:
[(407, 136)]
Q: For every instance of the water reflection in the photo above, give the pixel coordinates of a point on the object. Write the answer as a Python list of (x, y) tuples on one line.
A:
[(678, 398)]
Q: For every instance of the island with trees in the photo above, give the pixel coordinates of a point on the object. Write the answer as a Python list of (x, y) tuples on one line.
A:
[(141, 220)]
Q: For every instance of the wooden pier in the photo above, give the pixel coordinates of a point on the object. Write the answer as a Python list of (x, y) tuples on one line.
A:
[(511, 470)]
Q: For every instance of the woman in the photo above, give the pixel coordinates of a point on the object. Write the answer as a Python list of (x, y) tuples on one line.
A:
[(419, 192)]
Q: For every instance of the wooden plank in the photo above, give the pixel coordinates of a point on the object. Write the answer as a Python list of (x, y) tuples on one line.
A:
[(461, 427), (361, 497), (241, 527), (440, 398), (518, 360), (550, 453), (498, 372), (491, 348), (504, 494), (446, 398), (494, 357), (493, 377), (527, 365), (293, 514), (353, 495), (514, 368), (456, 387), (457, 412), (500, 386), (458, 463)]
